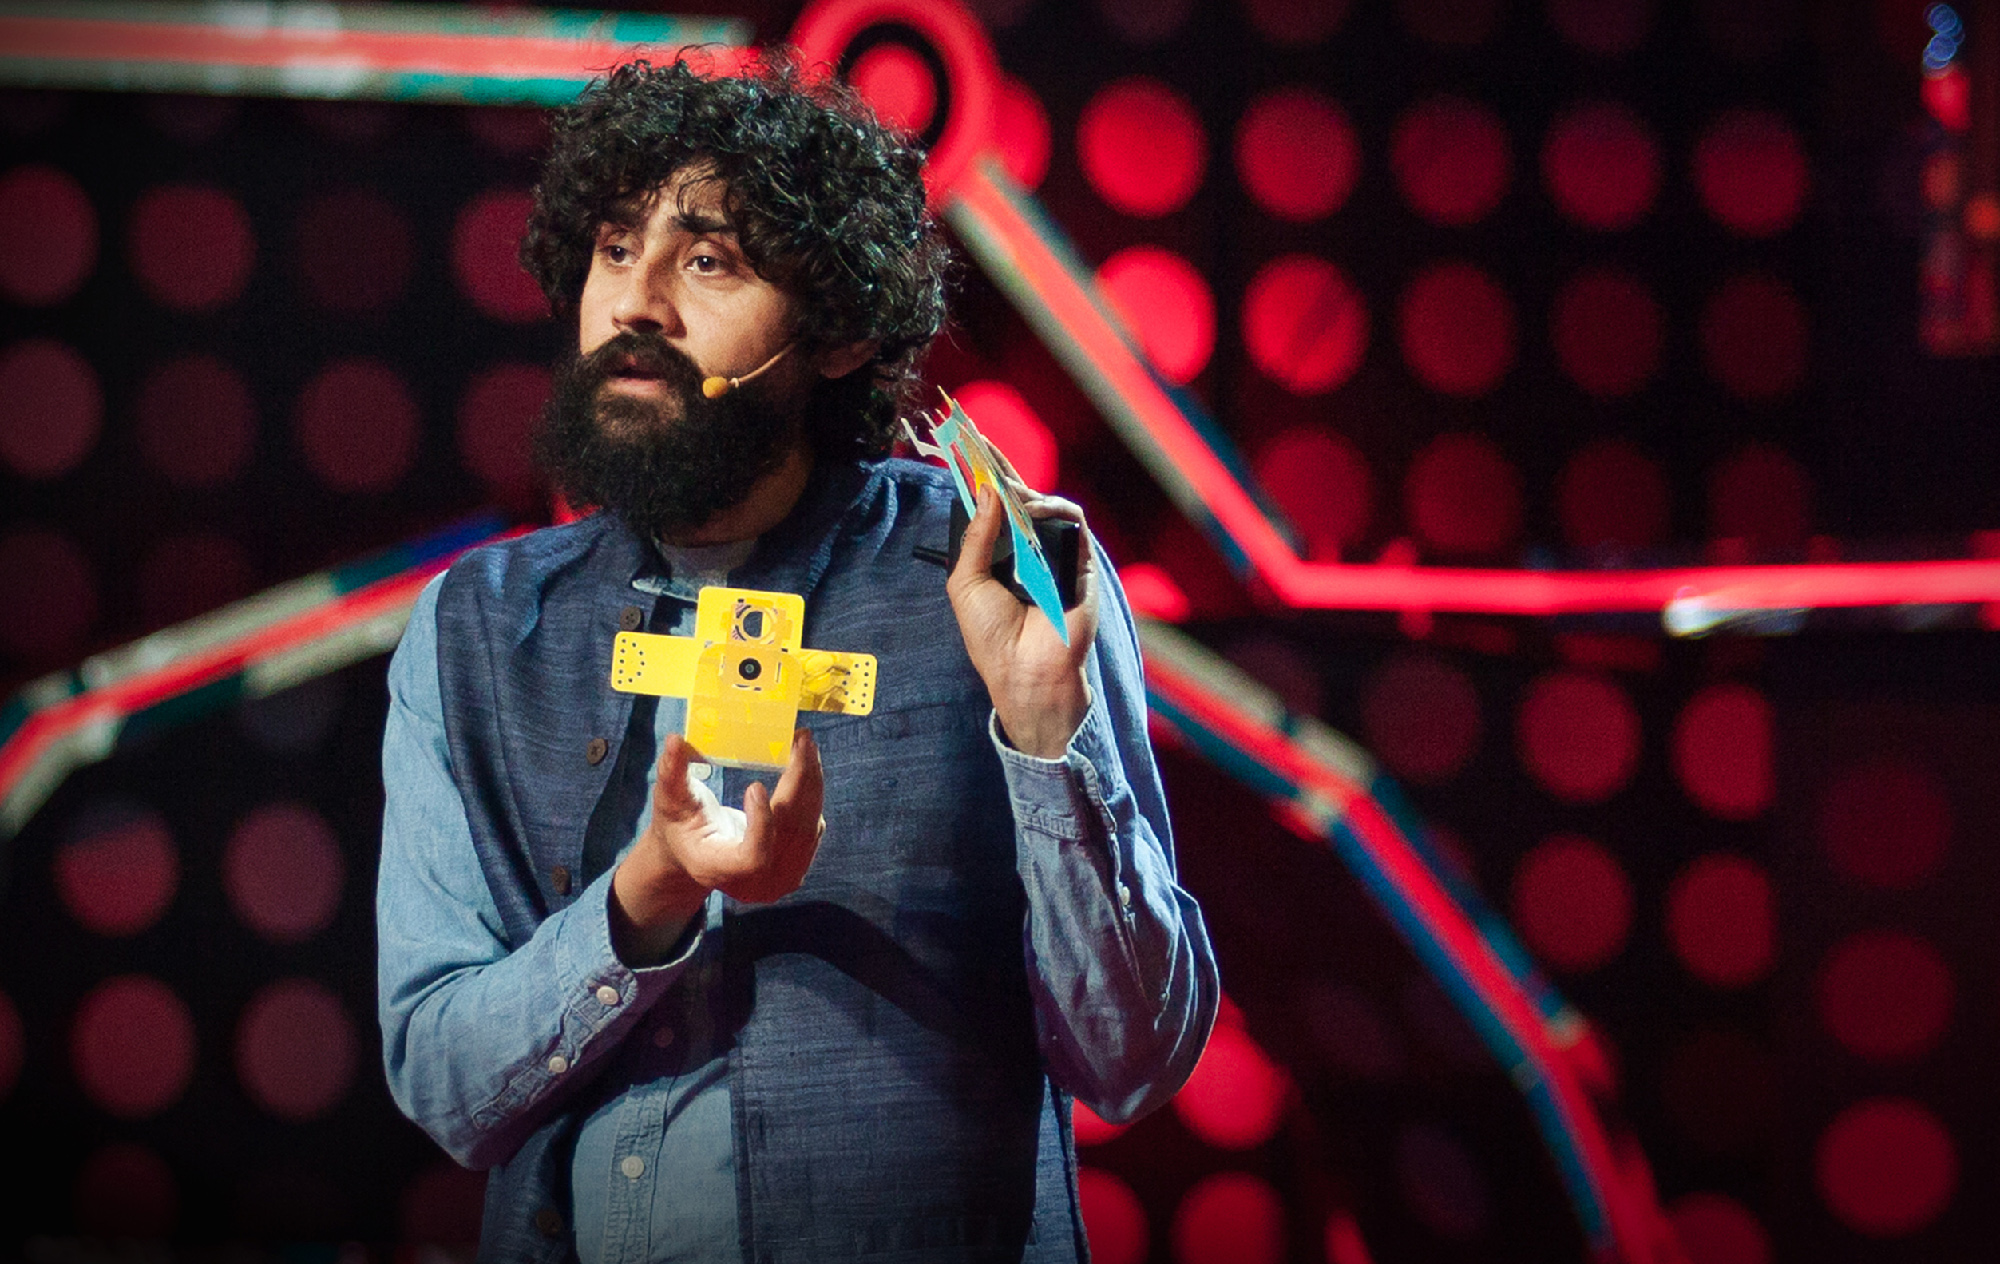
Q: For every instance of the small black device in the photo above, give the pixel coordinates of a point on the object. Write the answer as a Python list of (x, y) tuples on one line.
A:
[(1060, 538)]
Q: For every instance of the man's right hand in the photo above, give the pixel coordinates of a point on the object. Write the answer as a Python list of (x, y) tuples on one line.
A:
[(693, 845)]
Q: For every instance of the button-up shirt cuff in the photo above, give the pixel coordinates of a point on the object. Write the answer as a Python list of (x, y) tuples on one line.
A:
[(1058, 798), (598, 987)]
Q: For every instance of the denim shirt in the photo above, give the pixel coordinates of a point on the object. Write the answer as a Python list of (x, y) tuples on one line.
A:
[(498, 1025)]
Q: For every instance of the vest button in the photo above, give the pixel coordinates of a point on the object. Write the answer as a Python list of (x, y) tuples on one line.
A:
[(594, 750), (549, 1221), (559, 879), (630, 618)]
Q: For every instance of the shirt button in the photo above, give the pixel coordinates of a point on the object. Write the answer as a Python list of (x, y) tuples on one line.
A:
[(1124, 896), (633, 1166), (630, 618), (595, 749), (559, 879), (607, 995), (663, 1037), (549, 1221), (558, 1064)]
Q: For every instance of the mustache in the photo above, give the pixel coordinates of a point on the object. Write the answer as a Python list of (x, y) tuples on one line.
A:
[(643, 350)]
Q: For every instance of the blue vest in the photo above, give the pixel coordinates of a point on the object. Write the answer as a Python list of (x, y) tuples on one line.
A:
[(889, 1099)]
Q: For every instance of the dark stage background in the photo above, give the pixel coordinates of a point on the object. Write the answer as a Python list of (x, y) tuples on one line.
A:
[(1583, 282)]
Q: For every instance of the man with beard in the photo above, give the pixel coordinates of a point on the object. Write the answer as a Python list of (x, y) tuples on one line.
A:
[(681, 1015)]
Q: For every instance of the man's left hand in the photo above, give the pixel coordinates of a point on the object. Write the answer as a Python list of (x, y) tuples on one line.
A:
[(1037, 683)]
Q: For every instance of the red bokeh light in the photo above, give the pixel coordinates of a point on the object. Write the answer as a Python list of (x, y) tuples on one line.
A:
[(1751, 172), (1304, 324), (497, 417), (1572, 902), (1722, 920), (1021, 132), (1457, 329), (119, 877), (1886, 822), (125, 1191), (1578, 736), (485, 257), (283, 871), (1716, 1229), (1113, 1220), (1421, 716), (1235, 1099), (1722, 751), (1754, 336), (1090, 1128), (1321, 484), (357, 426), (1602, 166), (1948, 97), (295, 1049), (13, 1046), (132, 1046), (1612, 495), (354, 251), (1141, 146), (48, 596), (48, 235), (51, 408), (1886, 996), (197, 421), (1451, 160), (1440, 1183), (1605, 28), (1886, 1167), (187, 575), (1167, 306), (1153, 593), (1607, 332), (1761, 496), (1296, 153), (192, 246), (1463, 496), (1229, 1218), (896, 82), (1010, 422)]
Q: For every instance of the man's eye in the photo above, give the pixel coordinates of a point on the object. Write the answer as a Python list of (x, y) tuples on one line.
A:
[(705, 263)]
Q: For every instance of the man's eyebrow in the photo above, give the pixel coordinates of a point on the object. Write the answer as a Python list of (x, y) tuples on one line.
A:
[(703, 224)]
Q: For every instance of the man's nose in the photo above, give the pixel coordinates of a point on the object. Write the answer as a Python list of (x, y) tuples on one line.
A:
[(646, 303)]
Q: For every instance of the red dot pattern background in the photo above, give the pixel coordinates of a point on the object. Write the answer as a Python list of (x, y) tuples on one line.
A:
[(1441, 323)]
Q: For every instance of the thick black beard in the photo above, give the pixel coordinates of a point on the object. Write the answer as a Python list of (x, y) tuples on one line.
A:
[(664, 476)]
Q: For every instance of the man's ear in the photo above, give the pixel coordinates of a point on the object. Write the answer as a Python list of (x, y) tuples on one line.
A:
[(837, 362)]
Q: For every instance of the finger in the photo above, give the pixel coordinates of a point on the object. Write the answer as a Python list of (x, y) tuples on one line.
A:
[(1046, 506), (975, 551), (801, 791), (671, 794), (757, 828)]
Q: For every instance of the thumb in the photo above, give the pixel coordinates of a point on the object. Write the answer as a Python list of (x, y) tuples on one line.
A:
[(671, 792), (975, 552)]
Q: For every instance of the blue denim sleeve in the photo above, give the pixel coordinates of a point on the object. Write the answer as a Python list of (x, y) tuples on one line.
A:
[(481, 1042), (1124, 982)]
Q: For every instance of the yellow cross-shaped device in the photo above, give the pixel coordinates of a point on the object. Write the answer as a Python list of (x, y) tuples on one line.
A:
[(745, 674)]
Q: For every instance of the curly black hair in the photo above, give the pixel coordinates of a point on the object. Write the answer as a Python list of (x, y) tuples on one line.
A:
[(827, 203)]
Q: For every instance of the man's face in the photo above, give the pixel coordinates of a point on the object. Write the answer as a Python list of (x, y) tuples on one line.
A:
[(669, 300), (676, 270)]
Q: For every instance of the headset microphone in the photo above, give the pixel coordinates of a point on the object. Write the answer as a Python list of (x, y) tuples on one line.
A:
[(717, 387)]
